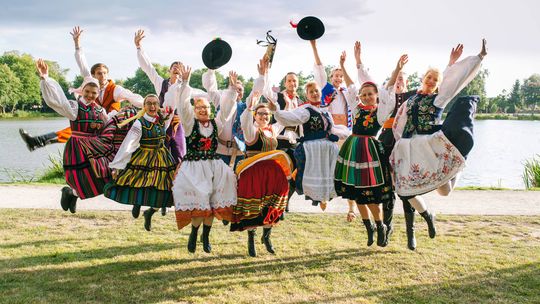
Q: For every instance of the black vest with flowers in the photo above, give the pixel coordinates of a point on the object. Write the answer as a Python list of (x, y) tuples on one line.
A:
[(423, 117), (318, 125), (365, 122), (200, 147)]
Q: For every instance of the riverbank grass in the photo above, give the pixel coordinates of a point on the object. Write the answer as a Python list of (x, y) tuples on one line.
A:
[(50, 256)]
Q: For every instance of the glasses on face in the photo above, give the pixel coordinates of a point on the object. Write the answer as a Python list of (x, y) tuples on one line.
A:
[(263, 113), (155, 104), (198, 108)]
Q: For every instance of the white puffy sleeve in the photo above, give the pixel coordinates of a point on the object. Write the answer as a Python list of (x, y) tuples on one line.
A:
[(81, 62), (121, 94), (455, 78), (350, 97), (130, 144), (226, 108), (56, 99), (248, 126), (320, 76), (290, 118), (149, 70), (267, 91), (399, 122), (209, 83), (363, 74), (177, 97), (387, 102)]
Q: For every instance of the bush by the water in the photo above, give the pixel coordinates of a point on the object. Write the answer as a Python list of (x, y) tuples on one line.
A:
[(54, 173), (531, 174)]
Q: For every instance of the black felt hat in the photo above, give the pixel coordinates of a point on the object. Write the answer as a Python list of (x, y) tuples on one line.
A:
[(310, 28), (216, 54)]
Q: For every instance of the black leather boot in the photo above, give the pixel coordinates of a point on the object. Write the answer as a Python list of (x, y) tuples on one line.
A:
[(381, 234), (34, 142), (136, 211), (370, 229), (65, 200), (73, 203), (409, 225), (206, 238), (251, 243), (430, 220), (266, 240), (163, 211), (148, 218), (192, 241), (388, 216)]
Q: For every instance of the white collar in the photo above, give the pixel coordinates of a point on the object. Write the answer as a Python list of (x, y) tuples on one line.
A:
[(150, 118)]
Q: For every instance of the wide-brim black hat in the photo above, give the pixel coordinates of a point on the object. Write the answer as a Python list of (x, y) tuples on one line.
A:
[(216, 54), (310, 28)]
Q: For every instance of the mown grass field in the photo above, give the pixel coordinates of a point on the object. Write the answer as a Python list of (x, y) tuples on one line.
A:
[(48, 256)]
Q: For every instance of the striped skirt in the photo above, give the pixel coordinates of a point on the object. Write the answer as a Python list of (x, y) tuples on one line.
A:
[(362, 173), (263, 189), (146, 180), (86, 163)]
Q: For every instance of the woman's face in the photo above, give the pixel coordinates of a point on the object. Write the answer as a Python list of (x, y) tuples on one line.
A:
[(202, 110), (368, 96), (313, 94), (151, 106), (90, 92), (337, 78), (262, 116), (430, 82)]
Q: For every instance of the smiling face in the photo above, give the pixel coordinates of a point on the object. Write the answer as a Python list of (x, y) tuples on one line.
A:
[(262, 115), (101, 73), (90, 92), (202, 109), (368, 95), (336, 78), (151, 105), (401, 83), (431, 81), (313, 93), (291, 83), (239, 90), (174, 70)]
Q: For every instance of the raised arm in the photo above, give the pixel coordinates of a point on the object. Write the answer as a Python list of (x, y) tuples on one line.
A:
[(79, 55), (399, 67), (363, 74), (146, 64), (246, 119), (121, 94), (319, 73), (178, 96), (227, 103), (54, 95), (346, 77)]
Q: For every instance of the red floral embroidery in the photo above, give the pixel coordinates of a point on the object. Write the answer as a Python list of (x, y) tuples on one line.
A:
[(207, 144)]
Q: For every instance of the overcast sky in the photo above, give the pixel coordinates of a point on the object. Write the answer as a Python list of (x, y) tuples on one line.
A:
[(178, 30)]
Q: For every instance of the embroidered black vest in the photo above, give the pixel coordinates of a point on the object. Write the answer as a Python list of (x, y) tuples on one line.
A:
[(153, 133), (200, 147), (423, 117), (263, 143), (88, 118), (318, 125), (365, 122)]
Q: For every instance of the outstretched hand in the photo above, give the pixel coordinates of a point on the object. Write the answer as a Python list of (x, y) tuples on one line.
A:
[(402, 62), (483, 51), (342, 58), (139, 35), (455, 54), (42, 67), (255, 97), (262, 66), (185, 73), (233, 77), (358, 52), (76, 34)]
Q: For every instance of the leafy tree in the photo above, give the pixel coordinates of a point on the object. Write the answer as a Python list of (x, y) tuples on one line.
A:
[(515, 99), (23, 67), (11, 87), (531, 91)]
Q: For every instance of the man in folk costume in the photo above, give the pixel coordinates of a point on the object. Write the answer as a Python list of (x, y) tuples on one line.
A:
[(231, 142), (110, 96)]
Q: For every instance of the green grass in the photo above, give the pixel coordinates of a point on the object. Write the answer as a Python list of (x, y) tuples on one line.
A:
[(504, 116), (481, 188), (531, 172), (49, 256), (20, 114)]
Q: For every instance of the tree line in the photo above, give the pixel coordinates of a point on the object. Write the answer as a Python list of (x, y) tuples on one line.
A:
[(19, 86)]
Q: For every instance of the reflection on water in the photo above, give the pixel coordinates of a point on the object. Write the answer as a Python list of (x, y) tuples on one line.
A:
[(501, 147)]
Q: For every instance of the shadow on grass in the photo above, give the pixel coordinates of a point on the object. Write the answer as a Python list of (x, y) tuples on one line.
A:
[(520, 284), (152, 280)]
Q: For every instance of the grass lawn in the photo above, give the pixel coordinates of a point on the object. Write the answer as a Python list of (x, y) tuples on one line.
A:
[(49, 256)]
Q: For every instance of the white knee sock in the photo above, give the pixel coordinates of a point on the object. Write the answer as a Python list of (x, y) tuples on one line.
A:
[(418, 203)]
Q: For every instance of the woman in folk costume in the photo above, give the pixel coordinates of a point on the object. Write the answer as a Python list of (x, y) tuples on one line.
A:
[(205, 187), (89, 150), (317, 151), (143, 168), (428, 156), (362, 174), (263, 184), (386, 137)]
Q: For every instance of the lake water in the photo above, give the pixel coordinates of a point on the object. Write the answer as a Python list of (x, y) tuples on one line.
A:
[(501, 147)]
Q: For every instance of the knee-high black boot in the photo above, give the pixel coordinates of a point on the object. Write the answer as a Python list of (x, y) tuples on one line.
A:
[(409, 225), (381, 234), (34, 142), (136, 211), (148, 218), (206, 238), (430, 220), (65, 200), (192, 241), (388, 216), (266, 240), (370, 230), (251, 243)]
